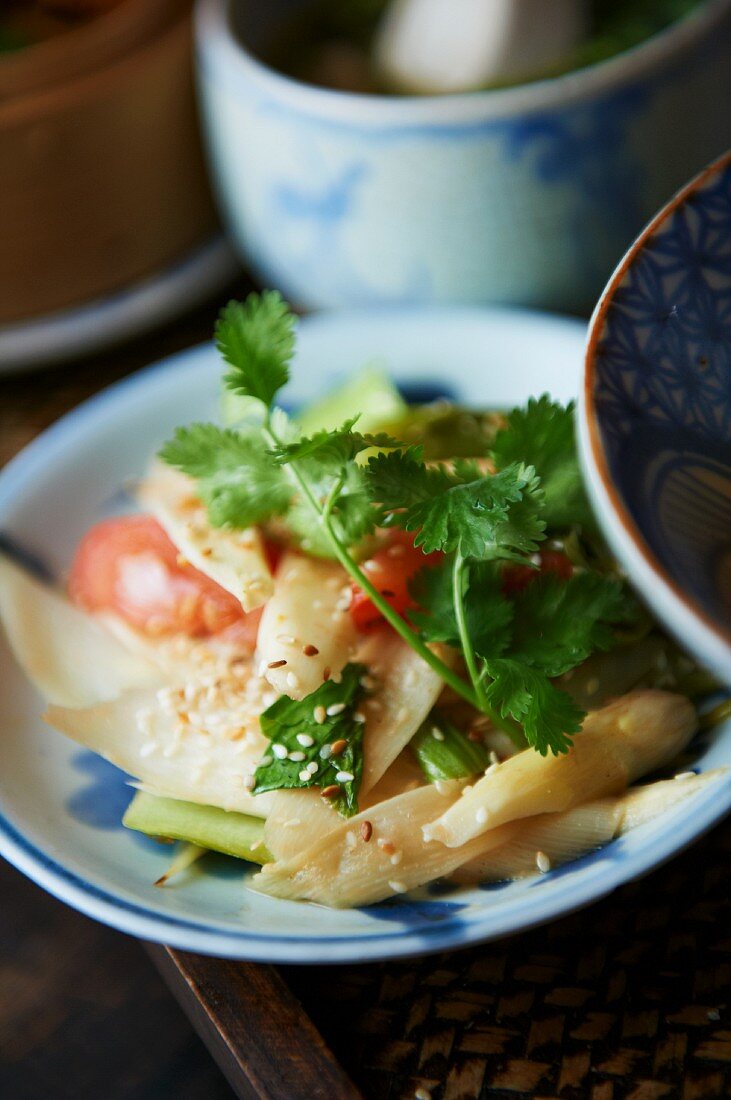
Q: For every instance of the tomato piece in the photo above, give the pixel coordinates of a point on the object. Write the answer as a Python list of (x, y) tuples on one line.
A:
[(130, 566), (517, 577), (390, 570)]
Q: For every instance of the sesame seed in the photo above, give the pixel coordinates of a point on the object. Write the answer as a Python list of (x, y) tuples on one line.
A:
[(305, 775), (396, 858), (276, 664), (366, 830), (292, 823), (344, 777), (684, 775), (326, 752), (331, 791), (368, 683), (319, 714), (481, 815), (279, 751), (467, 789), (397, 887), (312, 767), (491, 768), (310, 650), (350, 840), (286, 639), (148, 748), (437, 734), (305, 740), (292, 680), (297, 757), (335, 708), (326, 673), (249, 782), (358, 716), (442, 787), (493, 757), (265, 761), (543, 863), (371, 566), (338, 746)]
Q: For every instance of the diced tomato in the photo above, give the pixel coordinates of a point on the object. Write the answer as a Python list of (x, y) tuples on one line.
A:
[(518, 577), (390, 570), (129, 565)]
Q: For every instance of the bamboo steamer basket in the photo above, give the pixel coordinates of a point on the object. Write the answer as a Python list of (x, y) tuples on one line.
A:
[(83, 48), (101, 177)]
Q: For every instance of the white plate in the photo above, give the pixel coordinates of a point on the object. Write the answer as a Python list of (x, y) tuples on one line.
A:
[(60, 807), (103, 322)]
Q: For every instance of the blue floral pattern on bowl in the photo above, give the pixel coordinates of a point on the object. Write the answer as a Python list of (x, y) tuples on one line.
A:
[(659, 398)]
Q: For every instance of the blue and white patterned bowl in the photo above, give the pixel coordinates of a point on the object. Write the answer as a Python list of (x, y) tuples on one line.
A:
[(526, 195), (60, 807), (656, 414)]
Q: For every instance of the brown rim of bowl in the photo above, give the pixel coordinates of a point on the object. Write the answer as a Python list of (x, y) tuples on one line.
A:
[(91, 45), (598, 453)]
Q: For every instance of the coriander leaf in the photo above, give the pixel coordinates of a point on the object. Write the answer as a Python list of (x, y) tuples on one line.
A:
[(236, 479), (543, 435), (559, 623), (444, 752), (290, 725), (465, 509), (548, 716), (399, 479), (256, 338), (352, 516), (489, 613), (333, 450)]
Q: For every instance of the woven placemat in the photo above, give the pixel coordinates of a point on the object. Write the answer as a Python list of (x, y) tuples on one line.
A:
[(630, 998)]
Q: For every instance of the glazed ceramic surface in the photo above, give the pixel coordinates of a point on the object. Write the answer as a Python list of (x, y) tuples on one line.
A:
[(656, 415), (525, 195), (60, 806)]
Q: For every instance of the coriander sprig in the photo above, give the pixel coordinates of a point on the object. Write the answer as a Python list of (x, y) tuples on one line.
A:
[(479, 516)]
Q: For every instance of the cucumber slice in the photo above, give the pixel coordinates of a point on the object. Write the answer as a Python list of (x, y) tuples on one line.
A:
[(370, 392), (209, 827)]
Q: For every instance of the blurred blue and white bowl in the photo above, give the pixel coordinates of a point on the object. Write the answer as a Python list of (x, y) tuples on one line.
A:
[(655, 416), (525, 195)]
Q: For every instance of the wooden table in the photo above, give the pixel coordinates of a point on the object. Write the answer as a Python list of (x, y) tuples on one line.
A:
[(629, 999)]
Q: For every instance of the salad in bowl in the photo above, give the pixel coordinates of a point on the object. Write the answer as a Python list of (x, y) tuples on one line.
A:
[(364, 645)]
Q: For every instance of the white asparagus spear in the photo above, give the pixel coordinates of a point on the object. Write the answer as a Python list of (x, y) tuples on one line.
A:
[(404, 690), (298, 819), (539, 843), (435, 46), (234, 559), (69, 657), (618, 744), (343, 869), (200, 743), (306, 627)]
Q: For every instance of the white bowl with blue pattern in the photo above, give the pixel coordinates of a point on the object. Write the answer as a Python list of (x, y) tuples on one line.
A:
[(526, 195), (656, 415), (60, 807)]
